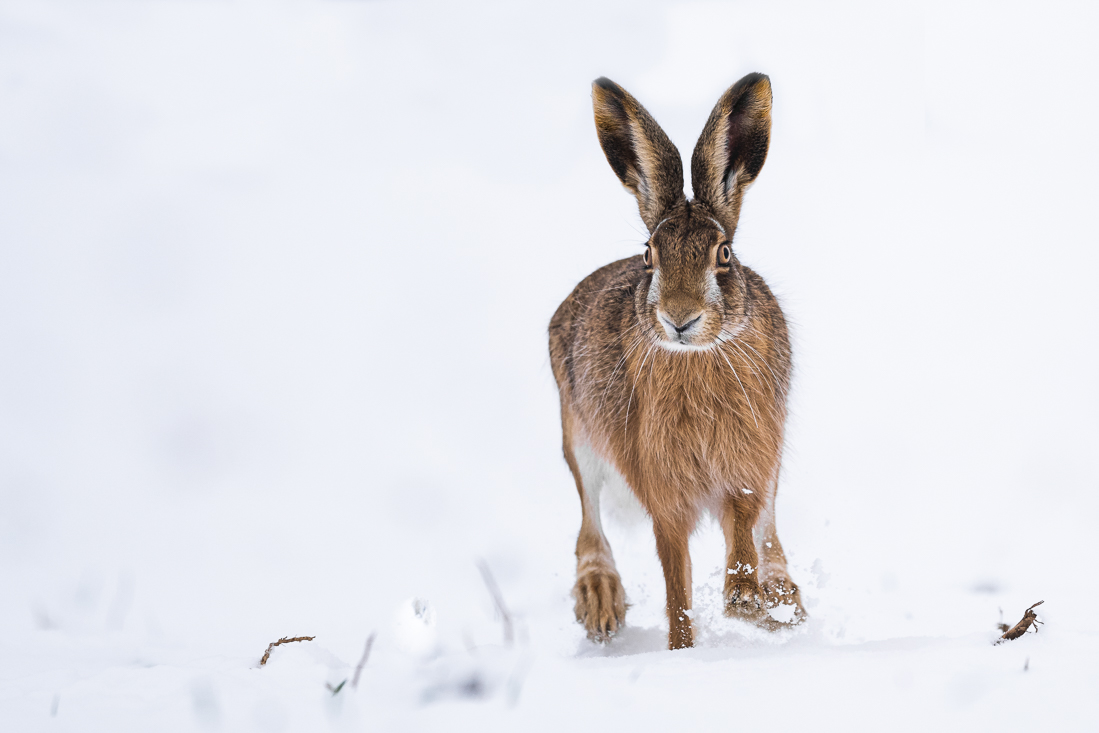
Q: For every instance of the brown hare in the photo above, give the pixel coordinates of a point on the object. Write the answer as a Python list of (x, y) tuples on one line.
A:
[(673, 368)]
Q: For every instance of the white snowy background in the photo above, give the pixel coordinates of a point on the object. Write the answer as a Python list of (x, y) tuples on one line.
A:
[(274, 285)]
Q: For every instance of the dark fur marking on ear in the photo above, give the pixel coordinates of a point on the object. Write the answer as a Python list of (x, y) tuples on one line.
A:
[(732, 148), (638, 151), (620, 153), (748, 138)]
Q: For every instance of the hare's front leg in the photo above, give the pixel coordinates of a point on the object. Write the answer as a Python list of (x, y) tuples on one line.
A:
[(672, 537), (743, 596), (600, 598)]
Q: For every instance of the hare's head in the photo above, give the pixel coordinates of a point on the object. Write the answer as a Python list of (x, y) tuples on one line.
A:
[(693, 294)]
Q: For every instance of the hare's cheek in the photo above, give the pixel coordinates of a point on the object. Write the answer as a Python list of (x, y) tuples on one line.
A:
[(715, 297), (732, 299), (650, 318), (648, 300), (653, 295), (713, 287)]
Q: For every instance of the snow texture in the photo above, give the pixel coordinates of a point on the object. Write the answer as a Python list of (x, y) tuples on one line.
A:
[(274, 286)]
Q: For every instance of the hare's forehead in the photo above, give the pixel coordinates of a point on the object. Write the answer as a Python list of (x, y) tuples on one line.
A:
[(692, 237)]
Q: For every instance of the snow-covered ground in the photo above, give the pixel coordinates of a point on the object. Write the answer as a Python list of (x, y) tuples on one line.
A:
[(274, 285)]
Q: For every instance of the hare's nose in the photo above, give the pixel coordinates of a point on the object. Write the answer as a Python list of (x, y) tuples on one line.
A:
[(682, 324)]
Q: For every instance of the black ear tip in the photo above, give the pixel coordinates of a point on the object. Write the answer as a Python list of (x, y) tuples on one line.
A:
[(606, 85), (750, 86), (750, 80)]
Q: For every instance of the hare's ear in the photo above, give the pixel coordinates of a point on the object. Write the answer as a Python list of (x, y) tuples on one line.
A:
[(732, 148), (641, 155)]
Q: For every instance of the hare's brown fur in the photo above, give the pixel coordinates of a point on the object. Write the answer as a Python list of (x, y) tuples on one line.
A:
[(691, 416)]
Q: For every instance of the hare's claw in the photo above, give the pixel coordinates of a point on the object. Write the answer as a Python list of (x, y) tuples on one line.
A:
[(600, 604), (781, 591), (744, 599)]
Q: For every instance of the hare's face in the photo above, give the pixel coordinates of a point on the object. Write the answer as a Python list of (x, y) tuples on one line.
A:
[(692, 297), (693, 294)]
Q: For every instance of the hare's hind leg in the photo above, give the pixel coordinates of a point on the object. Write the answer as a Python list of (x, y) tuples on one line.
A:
[(600, 598), (778, 587)]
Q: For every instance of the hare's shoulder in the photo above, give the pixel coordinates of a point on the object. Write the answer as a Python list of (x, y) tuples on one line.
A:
[(769, 322), (597, 309)]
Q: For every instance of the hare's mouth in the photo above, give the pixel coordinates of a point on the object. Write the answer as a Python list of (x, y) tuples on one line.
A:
[(682, 333)]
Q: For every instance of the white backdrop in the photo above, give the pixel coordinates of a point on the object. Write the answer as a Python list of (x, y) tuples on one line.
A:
[(274, 287)]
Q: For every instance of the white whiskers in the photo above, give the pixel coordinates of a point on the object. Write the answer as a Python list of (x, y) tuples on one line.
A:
[(626, 424), (637, 341), (744, 391)]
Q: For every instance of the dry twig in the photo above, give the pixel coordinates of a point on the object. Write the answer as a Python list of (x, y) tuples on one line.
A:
[(283, 640), (362, 662), (1002, 626), (498, 599), (1029, 617)]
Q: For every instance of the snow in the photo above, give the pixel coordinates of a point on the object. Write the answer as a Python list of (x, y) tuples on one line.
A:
[(274, 285)]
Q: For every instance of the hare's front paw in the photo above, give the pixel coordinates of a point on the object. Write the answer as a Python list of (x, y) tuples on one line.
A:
[(600, 603), (781, 591), (744, 599)]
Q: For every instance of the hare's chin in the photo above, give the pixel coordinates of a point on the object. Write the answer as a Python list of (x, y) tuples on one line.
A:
[(679, 346)]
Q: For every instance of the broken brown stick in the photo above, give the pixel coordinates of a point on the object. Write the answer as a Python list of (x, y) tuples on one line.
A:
[(362, 662), (1029, 617), (283, 640)]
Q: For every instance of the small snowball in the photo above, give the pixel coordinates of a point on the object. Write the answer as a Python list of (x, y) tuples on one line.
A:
[(414, 627)]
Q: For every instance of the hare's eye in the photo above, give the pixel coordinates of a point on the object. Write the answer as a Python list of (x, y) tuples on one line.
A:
[(724, 255), (648, 256)]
